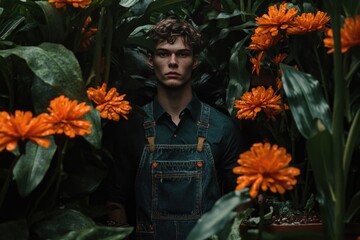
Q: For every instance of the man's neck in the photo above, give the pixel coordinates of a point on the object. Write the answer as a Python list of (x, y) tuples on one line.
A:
[(174, 101)]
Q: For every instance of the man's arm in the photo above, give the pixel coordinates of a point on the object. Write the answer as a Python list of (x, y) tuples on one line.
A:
[(233, 144)]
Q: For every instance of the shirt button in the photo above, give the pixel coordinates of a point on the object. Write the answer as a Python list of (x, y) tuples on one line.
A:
[(199, 164), (175, 135)]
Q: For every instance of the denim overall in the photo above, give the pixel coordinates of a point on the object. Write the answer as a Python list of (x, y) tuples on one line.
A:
[(175, 184)]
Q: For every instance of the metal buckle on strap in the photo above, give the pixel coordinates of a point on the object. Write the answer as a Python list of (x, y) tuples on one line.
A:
[(200, 143), (151, 141)]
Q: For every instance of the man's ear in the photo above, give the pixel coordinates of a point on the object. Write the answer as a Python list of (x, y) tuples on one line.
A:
[(150, 61)]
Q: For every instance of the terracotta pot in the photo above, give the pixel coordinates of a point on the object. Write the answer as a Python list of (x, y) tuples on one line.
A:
[(308, 231)]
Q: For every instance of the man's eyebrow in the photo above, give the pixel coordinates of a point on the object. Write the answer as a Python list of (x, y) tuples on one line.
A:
[(179, 50)]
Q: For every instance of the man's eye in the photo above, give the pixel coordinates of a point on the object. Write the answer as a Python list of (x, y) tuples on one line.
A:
[(163, 54), (183, 54)]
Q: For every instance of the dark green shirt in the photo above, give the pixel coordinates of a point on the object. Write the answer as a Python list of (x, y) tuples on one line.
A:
[(125, 141)]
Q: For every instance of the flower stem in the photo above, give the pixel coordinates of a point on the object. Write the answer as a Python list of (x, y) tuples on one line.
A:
[(261, 214)]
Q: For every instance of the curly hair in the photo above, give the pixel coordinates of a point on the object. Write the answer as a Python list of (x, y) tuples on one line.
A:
[(171, 28)]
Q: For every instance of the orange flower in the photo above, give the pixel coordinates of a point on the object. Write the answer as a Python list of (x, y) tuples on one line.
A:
[(265, 166), (276, 19), (308, 22), (263, 41), (278, 83), (110, 104), (350, 35), (22, 126), (65, 116), (257, 63), (253, 102), (279, 58), (88, 33), (75, 3)]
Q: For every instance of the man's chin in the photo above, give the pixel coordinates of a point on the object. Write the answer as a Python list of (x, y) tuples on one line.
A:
[(172, 84)]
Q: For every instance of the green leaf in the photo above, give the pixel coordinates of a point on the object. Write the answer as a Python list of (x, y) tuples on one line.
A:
[(306, 100), (60, 222), (54, 29), (353, 208), (96, 131), (320, 156), (352, 139), (54, 65), (322, 162), (10, 25), (162, 6), (128, 3), (351, 7), (58, 73), (222, 212), (98, 233), (14, 230), (239, 77), (32, 166)]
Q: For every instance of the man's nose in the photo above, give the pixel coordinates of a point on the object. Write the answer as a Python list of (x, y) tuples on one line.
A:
[(173, 59)]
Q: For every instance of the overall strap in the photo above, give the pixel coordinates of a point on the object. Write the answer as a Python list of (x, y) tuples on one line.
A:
[(203, 126), (149, 125)]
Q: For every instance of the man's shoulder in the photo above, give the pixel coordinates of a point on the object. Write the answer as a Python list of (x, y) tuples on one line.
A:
[(218, 112)]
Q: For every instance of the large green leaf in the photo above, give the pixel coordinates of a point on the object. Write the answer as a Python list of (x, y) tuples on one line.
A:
[(57, 73), (222, 212), (54, 29), (306, 100), (239, 76), (70, 224), (319, 151), (32, 166), (321, 160), (60, 222)]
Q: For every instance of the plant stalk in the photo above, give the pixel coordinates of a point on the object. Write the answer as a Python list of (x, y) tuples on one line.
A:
[(338, 131)]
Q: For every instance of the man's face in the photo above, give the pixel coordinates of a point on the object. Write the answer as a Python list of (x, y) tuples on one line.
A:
[(173, 63)]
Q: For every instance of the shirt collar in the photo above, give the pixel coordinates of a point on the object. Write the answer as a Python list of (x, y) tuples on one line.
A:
[(194, 107)]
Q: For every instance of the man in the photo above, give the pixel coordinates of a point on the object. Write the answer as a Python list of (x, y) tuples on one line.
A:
[(177, 159)]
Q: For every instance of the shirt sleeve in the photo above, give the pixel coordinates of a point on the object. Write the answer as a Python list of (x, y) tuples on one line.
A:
[(232, 144)]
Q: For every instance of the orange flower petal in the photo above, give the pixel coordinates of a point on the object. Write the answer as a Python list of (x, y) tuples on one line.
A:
[(65, 116), (110, 104), (258, 99), (350, 35), (22, 126), (265, 166), (308, 22)]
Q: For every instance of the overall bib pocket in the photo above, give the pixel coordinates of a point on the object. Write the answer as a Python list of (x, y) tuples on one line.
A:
[(177, 188)]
